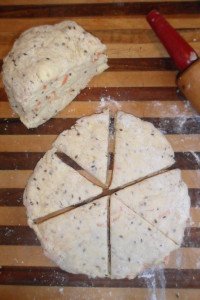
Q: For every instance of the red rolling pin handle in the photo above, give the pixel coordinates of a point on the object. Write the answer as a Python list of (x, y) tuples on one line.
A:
[(179, 50)]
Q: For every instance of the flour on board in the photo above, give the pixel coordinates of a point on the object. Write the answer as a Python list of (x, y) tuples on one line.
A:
[(197, 158), (108, 102), (154, 277)]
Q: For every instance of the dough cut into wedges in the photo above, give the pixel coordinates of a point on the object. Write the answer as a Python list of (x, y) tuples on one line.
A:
[(87, 144), (162, 200), (140, 150), (54, 186), (135, 244), (77, 241)]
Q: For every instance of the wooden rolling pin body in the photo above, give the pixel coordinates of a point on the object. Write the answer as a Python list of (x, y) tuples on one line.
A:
[(189, 84)]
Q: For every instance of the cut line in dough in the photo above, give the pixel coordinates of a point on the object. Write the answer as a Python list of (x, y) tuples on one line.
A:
[(135, 244), (161, 201), (106, 192), (69, 161)]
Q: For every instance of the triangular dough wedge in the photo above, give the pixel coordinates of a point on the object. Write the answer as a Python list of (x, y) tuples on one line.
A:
[(162, 200), (140, 150), (135, 244), (54, 186), (77, 241), (87, 144)]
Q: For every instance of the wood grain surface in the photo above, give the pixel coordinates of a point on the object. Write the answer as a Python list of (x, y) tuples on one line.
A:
[(140, 80)]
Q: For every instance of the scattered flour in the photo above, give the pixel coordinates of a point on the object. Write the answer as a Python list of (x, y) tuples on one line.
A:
[(71, 110), (198, 264), (16, 260), (197, 158), (172, 116), (61, 290), (108, 102), (193, 56), (155, 282), (180, 124), (179, 260), (9, 231)]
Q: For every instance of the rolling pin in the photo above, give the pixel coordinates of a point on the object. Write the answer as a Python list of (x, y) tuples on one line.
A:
[(183, 55)]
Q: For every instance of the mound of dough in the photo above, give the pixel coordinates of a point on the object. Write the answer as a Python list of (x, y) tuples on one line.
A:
[(132, 227), (47, 67)]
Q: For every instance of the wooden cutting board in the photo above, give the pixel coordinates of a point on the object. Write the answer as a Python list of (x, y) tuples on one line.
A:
[(141, 80)]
